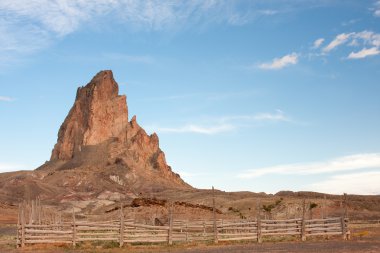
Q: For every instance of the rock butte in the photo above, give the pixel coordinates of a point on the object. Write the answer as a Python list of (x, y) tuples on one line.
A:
[(99, 117)]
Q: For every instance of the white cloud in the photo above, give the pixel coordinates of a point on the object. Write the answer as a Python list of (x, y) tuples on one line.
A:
[(29, 25), (339, 40), (278, 116), (317, 43), (366, 183), (369, 40), (345, 163), (365, 52), (376, 9), (224, 124), (269, 12), (6, 99), (279, 63), (59, 16)]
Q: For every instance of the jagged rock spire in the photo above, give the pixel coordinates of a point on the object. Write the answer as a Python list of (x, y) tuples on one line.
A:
[(98, 114)]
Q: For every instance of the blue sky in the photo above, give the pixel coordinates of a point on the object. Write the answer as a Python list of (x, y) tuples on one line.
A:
[(245, 95)]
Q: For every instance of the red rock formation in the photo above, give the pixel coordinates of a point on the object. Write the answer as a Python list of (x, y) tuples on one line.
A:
[(98, 121), (98, 114)]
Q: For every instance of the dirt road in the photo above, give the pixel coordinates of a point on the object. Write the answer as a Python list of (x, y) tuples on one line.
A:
[(294, 247)]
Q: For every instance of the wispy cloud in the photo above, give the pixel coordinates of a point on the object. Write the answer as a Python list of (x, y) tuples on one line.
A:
[(365, 52), (366, 183), (279, 63), (369, 40), (317, 43), (6, 99), (350, 22), (277, 116), (224, 124), (346, 163), (339, 40), (28, 26), (376, 9)]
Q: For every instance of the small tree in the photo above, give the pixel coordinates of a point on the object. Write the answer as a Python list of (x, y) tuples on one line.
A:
[(312, 205)]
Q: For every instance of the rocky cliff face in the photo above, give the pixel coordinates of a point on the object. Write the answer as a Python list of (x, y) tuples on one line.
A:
[(98, 114), (97, 133)]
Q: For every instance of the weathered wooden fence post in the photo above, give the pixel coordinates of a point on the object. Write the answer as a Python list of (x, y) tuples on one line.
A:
[(18, 227), (121, 241), (323, 211), (204, 229), (74, 229), (22, 228), (344, 217), (170, 230), (303, 225), (39, 210), (258, 221), (187, 230), (214, 216)]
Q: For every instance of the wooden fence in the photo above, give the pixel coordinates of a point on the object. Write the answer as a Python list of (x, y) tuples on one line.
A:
[(39, 230), (127, 231)]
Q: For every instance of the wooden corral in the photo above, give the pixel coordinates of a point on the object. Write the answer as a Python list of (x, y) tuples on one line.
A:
[(37, 225)]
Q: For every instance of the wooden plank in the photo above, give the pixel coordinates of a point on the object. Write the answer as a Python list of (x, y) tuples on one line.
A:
[(328, 233), (279, 230), (47, 231), (95, 234), (240, 234), (98, 225), (325, 229), (239, 238), (46, 241), (96, 229), (280, 225), (323, 220), (150, 226), (281, 234), (52, 226), (323, 225), (238, 224), (145, 241), (47, 237), (144, 229), (144, 236), (282, 221), (98, 239), (238, 228)]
